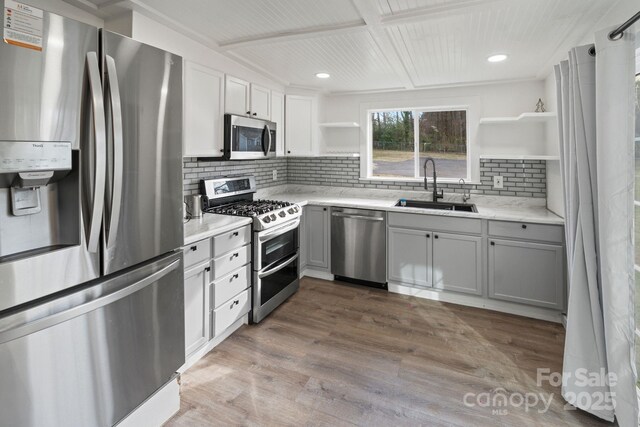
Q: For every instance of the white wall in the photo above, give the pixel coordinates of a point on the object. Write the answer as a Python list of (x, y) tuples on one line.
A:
[(61, 8), (153, 33), (495, 100)]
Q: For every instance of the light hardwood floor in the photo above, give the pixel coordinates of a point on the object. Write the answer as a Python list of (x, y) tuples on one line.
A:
[(338, 354)]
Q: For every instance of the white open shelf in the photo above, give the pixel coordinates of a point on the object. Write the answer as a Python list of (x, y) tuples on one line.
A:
[(339, 125), (522, 118), (518, 157)]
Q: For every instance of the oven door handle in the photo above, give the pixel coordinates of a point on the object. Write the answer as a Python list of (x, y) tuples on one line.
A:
[(278, 231), (277, 268)]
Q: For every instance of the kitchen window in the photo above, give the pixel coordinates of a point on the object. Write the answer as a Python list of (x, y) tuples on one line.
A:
[(401, 140)]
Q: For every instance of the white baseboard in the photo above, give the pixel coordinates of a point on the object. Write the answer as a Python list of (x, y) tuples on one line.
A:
[(317, 274), (479, 302), (199, 354), (157, 409)]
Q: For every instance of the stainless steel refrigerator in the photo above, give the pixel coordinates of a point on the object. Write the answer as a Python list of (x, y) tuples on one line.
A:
[(91, 281)]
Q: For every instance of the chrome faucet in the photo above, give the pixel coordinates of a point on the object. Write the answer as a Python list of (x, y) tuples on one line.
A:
[(436, 194), (466, 193)]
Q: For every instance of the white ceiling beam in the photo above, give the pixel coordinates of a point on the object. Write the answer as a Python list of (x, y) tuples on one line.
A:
[(368, 11), (305, 33), (436, 11)]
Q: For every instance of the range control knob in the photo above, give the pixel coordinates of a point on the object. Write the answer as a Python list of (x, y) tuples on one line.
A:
[(296, 209), (291, 211), (282, 214), (273, 217), (266, 219)]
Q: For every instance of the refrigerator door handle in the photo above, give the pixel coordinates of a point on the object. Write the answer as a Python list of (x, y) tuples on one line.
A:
[(27, 328), (100, 135), (111, 84)]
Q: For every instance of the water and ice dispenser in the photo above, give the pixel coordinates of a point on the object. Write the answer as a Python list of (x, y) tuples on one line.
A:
[(39, 197)]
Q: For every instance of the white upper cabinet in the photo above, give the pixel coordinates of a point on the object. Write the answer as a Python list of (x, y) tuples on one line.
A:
[(260, 102), (237, 96), (203, 111), (247, 99), (301, 125), (277, 116)]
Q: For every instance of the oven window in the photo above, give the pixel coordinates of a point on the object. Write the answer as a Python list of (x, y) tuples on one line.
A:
[(278, 248), (272, 284)]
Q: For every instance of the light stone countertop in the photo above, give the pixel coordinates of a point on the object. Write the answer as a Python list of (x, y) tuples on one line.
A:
[(210, 225), (489, 207)]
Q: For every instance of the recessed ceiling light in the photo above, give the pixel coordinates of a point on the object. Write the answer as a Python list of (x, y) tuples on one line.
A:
[(323, 75), (497, 58)]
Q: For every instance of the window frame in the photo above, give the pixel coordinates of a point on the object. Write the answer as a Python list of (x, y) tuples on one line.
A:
[(471, 104), (415, 112)]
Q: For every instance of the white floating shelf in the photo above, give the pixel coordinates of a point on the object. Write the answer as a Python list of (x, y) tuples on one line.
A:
[(339, 125), (518, 157), (524, 117)]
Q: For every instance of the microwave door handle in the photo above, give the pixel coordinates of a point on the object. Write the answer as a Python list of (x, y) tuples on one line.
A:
[(118, 149), (265, 131), (100, 136), (268, 133), (277, 268)]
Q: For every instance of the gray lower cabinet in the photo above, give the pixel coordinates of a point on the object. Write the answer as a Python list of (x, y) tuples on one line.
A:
[(303, 239), (317, 229), (526, 272), (449, 262), (409, 255), (457, 263), (196, 307)]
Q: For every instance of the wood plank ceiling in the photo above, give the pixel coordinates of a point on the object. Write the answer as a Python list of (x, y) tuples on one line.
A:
[(369, 45)]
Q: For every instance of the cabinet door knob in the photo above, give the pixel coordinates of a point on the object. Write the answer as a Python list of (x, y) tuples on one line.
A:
[(435, 235), (288, 152), (255, 114), (194, 248), (493, 243), (234, 303), (207, 269), (524, 226), (324, 209), (428, 236), (236, 234), (248, 112)]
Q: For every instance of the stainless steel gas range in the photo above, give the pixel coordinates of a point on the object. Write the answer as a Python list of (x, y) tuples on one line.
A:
[(276, 238)]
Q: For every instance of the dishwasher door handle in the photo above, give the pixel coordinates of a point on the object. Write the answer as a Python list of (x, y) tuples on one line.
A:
[(367, 218)]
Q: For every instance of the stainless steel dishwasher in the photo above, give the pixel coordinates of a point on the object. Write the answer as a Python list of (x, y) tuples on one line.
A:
[(359, 246)]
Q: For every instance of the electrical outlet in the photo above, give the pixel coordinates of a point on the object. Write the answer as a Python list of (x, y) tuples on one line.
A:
[(497, 182), (275, 174)]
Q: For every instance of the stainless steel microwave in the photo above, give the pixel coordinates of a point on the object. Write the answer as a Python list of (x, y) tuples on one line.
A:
[(247, 138)]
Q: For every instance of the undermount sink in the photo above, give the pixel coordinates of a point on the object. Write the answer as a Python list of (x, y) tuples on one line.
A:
[(443, 206)]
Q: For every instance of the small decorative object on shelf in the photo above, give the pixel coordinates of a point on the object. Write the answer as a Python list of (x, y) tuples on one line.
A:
[(540, 106)]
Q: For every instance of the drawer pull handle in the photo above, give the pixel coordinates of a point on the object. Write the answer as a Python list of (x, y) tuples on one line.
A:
[(235, 255), (207, 269), (236, 234), (235, 276), (194, 248), (234, 303), (493, 243), (524, 226)]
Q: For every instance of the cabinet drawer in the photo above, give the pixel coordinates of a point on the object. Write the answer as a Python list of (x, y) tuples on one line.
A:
[(232, 284), (230, 311), (527, 231), (233, 239), (436, 223), (197, 252), (230, 261)]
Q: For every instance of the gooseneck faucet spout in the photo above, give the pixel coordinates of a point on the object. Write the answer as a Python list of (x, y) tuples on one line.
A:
[(436, 194)]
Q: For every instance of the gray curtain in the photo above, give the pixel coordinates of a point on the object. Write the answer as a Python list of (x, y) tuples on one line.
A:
[(595, 116)]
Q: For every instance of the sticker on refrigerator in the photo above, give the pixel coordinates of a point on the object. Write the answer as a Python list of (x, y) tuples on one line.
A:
[(22, 25)]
